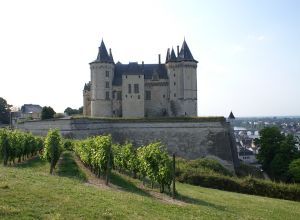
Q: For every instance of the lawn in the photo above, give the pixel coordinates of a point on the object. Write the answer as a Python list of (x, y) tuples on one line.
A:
[(28, 191)]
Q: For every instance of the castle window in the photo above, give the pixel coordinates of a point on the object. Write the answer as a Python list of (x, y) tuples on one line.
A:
[(129, 88), (139, 76), (125, 96), (139, 97), (136, 88), (119, 95), (107, 73), (106, 84), (174, 94), (174, 83), (174, 75), (164, 96), (148, 95), (107, 95), (113, 94)]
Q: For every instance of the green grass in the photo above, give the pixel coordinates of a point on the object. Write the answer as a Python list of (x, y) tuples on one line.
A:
[(67, 167), (28, 191)]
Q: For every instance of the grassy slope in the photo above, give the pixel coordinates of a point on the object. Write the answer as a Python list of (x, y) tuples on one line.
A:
[(29, 192)]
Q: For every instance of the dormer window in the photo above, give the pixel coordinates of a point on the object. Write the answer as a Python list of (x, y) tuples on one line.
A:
[(155, 76)]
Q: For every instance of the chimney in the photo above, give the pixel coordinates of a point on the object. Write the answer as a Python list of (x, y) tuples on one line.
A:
[(177, 50), (158, 58), (110, 54)]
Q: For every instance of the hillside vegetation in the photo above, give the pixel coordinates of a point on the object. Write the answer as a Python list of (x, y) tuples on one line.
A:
[(28, 191)]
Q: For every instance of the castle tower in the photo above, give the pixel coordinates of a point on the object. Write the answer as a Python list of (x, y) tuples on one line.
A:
[(87, 99), (102, 73), (182, 72)]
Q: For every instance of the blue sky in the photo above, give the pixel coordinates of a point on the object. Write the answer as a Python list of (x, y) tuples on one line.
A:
[(248, 50)]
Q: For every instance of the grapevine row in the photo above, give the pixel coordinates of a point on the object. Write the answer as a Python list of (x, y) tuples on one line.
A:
[(18, 145), (151, 161)]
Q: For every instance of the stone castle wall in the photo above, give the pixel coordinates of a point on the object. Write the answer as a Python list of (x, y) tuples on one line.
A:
[(189, 140)]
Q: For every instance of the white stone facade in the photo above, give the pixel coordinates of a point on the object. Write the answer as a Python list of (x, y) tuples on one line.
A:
[(142, 90)]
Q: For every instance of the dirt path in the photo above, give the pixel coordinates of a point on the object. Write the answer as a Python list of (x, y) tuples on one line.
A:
[(91, 178)]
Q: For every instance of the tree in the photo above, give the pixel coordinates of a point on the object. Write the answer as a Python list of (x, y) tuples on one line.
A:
[(80, 110), (71, 111), (276, 151), (269, 143), (4, 111), (47, 113)]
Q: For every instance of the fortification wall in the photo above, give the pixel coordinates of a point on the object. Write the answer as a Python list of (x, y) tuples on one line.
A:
[(189, 139)]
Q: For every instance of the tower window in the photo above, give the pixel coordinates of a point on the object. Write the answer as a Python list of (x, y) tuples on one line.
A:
[(107, 73), (107, 95), (174, 83), (136, 88), (174, 75), (148, 95), (174, 94), (106, 84), (164, 96), (119, 95), (129, 88), (139, 96)]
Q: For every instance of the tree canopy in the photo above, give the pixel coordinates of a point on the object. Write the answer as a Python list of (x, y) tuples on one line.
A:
[(47, 112), (4, 111), (276, 152), (71, 111)]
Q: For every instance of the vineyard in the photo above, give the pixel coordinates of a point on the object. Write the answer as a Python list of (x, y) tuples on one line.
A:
[(151, 161), (18, 145)]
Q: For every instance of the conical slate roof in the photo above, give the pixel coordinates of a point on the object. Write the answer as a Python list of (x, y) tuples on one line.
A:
[(168, 55), (185, 53), (173, 56), (103, 56), (231, 116)]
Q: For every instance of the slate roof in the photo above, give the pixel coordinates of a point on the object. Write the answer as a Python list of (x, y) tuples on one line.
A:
[(173, 56), (231, 116), (138, 69), (103, 56), (245, 152), (87, 86), (30, 108), (184, 54)]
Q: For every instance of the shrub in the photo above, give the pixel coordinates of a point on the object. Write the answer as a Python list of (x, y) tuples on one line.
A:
[(248, 185), (68, 144), (294, 170)]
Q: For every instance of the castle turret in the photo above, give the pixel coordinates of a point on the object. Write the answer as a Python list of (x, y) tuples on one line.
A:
[(102, 73), (182, 72), (87, 99)]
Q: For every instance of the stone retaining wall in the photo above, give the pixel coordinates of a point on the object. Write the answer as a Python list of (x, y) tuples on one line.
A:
[(189, 139)]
